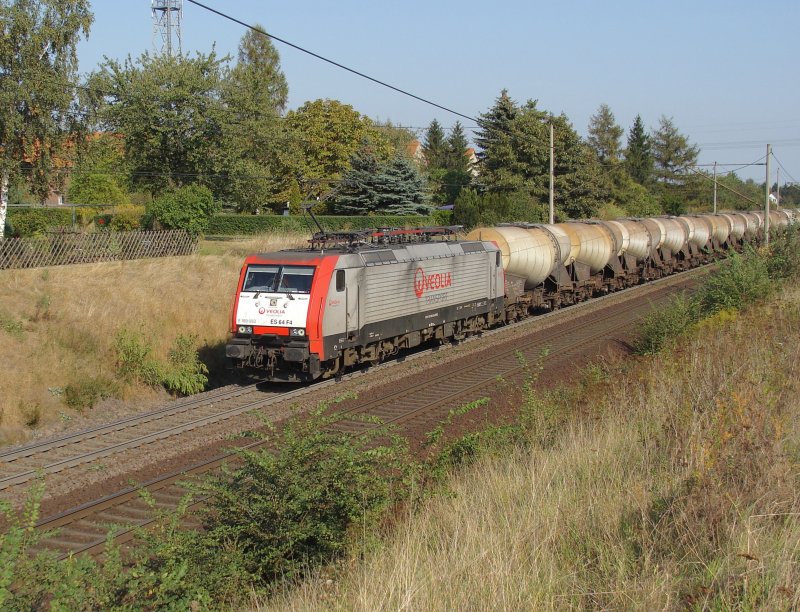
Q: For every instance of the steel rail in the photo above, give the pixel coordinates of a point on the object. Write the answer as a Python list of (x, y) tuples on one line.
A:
[(168, 485)]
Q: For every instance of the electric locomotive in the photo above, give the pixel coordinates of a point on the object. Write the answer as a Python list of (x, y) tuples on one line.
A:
[(358, 297)]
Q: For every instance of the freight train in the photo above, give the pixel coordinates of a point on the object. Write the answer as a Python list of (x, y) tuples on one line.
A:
[(360, 297)]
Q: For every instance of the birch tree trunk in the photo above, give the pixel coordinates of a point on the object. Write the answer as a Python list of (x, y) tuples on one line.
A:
[(3, 203)]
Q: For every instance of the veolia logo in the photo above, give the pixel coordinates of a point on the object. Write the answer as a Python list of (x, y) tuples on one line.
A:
[(430, 282)]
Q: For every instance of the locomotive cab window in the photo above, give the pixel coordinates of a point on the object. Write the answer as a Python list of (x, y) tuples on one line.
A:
[(278, 279), (498, 259), (339, 280), (260, 278)]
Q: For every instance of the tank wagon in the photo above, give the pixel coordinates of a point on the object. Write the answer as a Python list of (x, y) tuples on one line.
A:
[(359, 297)]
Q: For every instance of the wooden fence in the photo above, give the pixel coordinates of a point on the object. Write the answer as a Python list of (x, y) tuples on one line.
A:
[(60, 249)]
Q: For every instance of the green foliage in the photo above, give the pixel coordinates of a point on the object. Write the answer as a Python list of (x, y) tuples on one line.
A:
[(242, 225), (516, 158), (38, 67), (133, 359), (370, 186), (11, 326), (185, 374), (323, 137), (604, 135), (127, 218), (659, 328), (434, 147), (672, 153), (85, 188), (182, 374), (290, 508), (472, 209), (171, 112), (36, 221), (189, 208), (741, 280), (86, 393), (638, 154), (783, 261)]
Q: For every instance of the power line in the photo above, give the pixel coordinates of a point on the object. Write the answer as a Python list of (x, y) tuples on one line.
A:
[(794, 180), (332, 62)]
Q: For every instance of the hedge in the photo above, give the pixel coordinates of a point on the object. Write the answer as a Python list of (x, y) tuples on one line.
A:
[(28, 221), (239, 225)]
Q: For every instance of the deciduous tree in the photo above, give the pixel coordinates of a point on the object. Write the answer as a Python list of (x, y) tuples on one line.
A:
[(170, 112), (38, 67)]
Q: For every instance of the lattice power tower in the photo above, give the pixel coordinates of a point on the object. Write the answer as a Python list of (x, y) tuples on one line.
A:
[(167, 26)]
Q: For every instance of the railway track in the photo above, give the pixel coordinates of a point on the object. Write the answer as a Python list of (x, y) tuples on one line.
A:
[(22, 464), (84, 529)]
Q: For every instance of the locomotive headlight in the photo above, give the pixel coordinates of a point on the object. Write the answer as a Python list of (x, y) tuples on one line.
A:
[(245, 329), (299, 332)]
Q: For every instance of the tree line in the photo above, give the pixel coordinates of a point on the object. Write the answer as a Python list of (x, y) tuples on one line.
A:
[(136, 129)]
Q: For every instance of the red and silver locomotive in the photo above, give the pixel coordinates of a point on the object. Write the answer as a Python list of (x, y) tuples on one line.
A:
[(357, 297)]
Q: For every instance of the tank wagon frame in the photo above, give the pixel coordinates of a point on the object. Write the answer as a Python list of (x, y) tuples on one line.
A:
[(360, 297)]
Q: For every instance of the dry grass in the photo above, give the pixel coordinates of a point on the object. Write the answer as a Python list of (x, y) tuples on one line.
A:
[(57, 325), (676, 487)]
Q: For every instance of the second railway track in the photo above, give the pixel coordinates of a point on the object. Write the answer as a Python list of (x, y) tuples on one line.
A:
[(407, 406)]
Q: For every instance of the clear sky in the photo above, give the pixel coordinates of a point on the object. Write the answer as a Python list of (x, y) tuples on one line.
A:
[(726, 71)]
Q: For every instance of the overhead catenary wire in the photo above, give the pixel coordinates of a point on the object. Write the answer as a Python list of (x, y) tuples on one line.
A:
[(332, 62)]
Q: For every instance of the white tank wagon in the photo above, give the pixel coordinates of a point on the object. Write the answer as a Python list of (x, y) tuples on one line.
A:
[(698, 230), (720, 227), (676, 234), (568, 240), (738, 224), (657, 232), (778, 218), (530, 252), (753, 223), (639, 238), (597, 244)]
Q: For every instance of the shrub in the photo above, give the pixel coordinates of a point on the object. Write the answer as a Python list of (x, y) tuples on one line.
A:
[(663, 325), (86, 393), (134, 363), (240, 225), (292, 507), (185, 374), (127, 218), (188, 208), (36, 221), (740, 280)]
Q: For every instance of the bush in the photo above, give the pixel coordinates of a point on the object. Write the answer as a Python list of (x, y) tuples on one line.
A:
[(663, 325), (85, 394), (189, 208), (289, 508), (127, 218), (740, 280), (36, 221), (185, 374), (134, 363)]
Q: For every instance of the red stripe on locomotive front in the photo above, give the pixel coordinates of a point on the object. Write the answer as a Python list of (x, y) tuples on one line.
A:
[(320, 285)]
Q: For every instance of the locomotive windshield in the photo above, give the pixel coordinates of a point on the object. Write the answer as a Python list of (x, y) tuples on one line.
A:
[(278, 279)]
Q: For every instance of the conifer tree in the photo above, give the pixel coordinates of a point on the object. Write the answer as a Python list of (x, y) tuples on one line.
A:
[(638, 153), (672, 152), (604, 135), (434, 147)]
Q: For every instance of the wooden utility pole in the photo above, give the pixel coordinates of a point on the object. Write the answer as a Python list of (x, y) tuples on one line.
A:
[(552, 155)]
